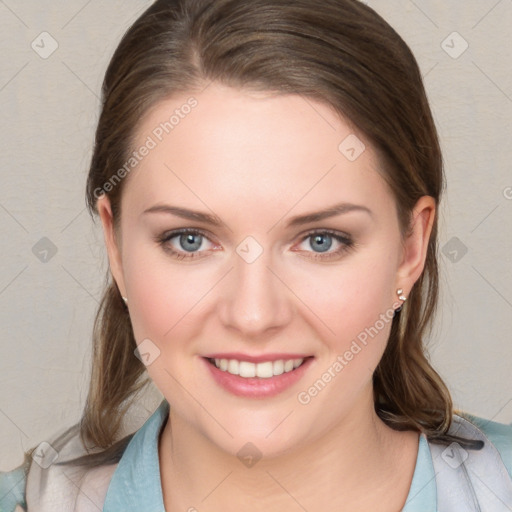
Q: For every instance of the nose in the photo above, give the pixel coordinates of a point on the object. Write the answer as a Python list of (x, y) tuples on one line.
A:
[(254, 299)]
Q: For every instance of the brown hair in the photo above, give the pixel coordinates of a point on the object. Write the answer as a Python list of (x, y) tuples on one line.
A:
[(339, 52)]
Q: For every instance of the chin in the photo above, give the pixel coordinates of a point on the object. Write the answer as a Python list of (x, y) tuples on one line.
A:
[(258, 437)]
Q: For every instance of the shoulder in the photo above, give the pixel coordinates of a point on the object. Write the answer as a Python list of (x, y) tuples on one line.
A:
[(12, 488), (42, 483), (499, 434)]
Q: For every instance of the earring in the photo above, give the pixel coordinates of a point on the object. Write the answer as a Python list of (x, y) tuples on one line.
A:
[(125, 299), (403, 298)]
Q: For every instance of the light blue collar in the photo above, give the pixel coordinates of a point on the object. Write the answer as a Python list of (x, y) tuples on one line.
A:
[(136, 486), (423, 492)]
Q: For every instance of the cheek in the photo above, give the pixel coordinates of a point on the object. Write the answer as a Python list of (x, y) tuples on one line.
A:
[(164, 295), (347, 299), (168, 299), (354, 303)]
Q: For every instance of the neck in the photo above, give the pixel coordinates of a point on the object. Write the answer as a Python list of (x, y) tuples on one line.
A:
[(354, 462)]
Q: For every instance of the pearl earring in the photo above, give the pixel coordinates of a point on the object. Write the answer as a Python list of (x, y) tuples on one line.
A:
[(125, 299), (401, 295)]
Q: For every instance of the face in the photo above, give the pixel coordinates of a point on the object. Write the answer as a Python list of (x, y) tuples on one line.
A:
[(252, 241)]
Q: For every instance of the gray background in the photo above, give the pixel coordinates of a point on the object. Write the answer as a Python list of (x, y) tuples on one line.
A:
[(49, 109)]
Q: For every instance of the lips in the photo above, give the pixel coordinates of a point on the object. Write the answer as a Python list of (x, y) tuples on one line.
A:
[(257, 376)]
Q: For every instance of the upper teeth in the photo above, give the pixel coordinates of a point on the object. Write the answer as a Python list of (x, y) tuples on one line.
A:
[(263, 370)]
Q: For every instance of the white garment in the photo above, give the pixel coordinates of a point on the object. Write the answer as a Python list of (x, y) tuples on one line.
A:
[(67, 488)]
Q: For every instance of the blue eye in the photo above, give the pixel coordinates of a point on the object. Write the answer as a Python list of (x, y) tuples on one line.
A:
[(190, 243), (185, 243), (321, 241), (319, 244)]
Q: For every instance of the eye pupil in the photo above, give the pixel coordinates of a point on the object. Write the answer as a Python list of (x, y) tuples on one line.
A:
[(323, 241), (192, 239)]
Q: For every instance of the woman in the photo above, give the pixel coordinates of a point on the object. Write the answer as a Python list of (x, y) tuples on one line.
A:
[(267, 175)]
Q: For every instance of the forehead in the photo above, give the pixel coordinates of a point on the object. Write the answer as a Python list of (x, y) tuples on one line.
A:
[(248, 147)]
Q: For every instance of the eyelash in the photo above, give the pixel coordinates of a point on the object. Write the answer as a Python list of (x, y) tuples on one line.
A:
[(346, 243)]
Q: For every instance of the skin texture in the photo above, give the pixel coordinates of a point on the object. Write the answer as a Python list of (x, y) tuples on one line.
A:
[(256, 160)]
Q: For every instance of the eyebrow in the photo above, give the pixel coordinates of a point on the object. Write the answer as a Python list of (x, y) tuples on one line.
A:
[(298, 220), (186, 214), (332, 211)]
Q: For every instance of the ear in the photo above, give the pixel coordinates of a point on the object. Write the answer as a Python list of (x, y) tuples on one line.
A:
[(415, 244), (113, 249)]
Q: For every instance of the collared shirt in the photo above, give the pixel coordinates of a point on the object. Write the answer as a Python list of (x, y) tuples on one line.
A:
[(136, 481), (135, 484)]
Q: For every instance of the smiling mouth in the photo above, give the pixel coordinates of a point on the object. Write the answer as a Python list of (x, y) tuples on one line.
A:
[(263, 370)]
